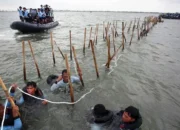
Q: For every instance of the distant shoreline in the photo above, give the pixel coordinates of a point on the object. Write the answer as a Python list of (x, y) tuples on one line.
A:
[(90, 11)]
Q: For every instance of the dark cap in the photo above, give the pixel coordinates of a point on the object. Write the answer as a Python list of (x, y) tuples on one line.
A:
[(99, 110), (132, 112), (20, 7)]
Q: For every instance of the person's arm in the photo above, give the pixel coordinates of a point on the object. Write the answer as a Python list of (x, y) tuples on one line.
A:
[(20, 101), (17, 120), (59, 78), (75, 79), (58, 85)]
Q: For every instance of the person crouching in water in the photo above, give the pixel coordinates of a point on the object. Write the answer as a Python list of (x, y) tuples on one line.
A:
[(12, 120), (130, 119), (32, 89), (62, 80), (100, 118)]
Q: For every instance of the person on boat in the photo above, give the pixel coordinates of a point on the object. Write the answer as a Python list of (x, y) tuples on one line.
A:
[(40, 16), (44, 16), (128, 119), (62, 80), (26, 13), (42, 8), (21, 14), (99, 117), (12, 120), (32, 89)]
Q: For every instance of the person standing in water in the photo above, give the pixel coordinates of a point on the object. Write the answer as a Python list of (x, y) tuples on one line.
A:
[(32, 89)]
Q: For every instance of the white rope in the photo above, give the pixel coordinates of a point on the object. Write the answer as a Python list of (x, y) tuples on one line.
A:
[(4, 114), (69, 103)]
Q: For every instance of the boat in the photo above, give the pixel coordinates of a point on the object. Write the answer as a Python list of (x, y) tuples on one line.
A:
[(26, 27), (170, 15), (33, 26)]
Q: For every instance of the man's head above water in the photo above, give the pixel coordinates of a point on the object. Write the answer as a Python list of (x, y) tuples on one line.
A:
[(130, 114), (65, 75), (31, 87)]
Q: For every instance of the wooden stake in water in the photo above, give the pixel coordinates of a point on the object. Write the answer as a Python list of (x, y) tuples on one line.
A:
[(35, 62), (69, 79), (24, 62), (103, 31), (94, 57), (129, 26), (70, 44), (113, 39), (97, 33), (132, 35), (77, 65), (90, 37), (60, 50), (84, 41), (109, 54), (122, 36), (52, 45)]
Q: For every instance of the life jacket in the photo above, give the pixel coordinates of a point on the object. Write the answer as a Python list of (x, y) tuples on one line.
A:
[(28, 99)]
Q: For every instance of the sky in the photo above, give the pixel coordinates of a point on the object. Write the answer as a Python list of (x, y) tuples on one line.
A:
[(97, 5)]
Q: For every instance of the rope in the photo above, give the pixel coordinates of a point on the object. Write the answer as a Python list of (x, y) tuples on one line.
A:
[(69, 103), (4, 114)]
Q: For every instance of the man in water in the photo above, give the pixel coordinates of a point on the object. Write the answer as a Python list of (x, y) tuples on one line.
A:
[(62, 80), (128, 119), (21, 14), (12, 120), (32, 89)]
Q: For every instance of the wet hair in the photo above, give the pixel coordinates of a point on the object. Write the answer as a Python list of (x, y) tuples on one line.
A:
[(99, 110), (20, 7), (132, 112), (64, 71), (31, 83)]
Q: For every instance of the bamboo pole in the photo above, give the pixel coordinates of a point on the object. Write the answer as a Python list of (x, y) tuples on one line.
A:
[(24, 62), (52, 48), (6, 92), (103, 30), (97, 32), (132, 35), (90, 37), (94, 57), (35, 62), (69, 79), (113, 39), (84, 41), (129, 26), (59, 50), (125, 26), (114, 54), (122, 36), (109, 54), (77, 65), (106, 33), (70, 44), (138, 33)]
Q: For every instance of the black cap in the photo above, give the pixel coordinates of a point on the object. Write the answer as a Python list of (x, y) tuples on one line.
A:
[(132, 112), (99, 110)]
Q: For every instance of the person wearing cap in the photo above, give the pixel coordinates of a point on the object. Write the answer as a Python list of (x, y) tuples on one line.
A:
[(128, 119), (62, 80), (42, 8), (12, 120), (32, 89), (21, 14), (99, 117)]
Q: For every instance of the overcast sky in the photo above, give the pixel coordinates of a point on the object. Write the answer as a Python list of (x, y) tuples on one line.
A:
[(101, 5)]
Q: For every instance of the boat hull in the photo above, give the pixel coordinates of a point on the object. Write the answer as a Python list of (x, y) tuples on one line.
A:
[(30, 27)]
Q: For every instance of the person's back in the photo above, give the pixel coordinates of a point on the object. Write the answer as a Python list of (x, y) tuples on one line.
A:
[(100, 118)]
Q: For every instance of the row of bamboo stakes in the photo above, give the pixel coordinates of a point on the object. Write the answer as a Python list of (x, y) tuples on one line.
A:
[(144, 27)]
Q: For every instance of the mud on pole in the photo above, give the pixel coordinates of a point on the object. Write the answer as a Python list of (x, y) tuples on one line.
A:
[(84, 41), (70, 44), (35, 62), (52, 45), (77, 65), (24, 62), (69, 77), (94, 57)]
